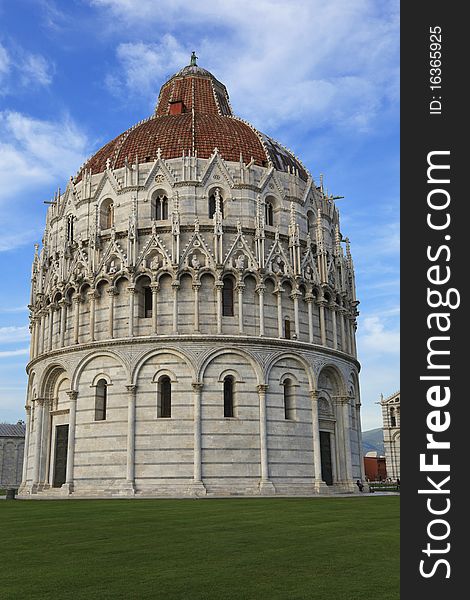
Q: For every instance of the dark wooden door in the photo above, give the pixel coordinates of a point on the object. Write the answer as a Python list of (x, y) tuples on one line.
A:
[(60, 454), (325, 449)]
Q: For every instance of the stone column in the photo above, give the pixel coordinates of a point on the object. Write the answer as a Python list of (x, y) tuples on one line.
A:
[(345, 442), (278, 293), (76, 315), (26, 447), (130, 472), (321, 304), (68, 486), (343, 337), (196, 287), (175, 285), (154, 287), (111, 293), (38, 445), (240, 287), (92, 295), (309, 300), (265, 485), (198, 485), (218, 288), (319, 483), (51, 325), (131, 291), (353, 337), (31, 340), (63, 313), (43, 331), (335, 333), (295, 297), (260, 289)]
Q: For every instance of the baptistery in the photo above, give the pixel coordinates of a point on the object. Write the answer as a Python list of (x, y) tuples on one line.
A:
[(193, 317)]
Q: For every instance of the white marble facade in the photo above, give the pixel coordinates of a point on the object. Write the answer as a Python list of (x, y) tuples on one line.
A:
[(138, 283), (391, 433)]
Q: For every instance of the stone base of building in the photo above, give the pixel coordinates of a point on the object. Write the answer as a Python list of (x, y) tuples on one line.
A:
[(124, 489)]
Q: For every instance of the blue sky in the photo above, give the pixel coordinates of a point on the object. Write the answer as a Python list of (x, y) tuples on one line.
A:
[(320, 76)]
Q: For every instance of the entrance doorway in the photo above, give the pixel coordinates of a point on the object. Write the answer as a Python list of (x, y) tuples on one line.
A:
[(60, 454), (325, 451)]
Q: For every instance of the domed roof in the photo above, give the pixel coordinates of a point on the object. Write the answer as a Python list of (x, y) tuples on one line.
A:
[(193, 116)]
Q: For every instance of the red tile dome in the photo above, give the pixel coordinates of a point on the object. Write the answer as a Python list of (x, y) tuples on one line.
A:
[(193, 115)]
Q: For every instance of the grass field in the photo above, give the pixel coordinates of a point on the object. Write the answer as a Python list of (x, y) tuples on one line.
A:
[(221, 549)]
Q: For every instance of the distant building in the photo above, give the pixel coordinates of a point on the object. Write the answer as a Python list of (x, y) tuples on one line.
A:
[(391, 429), (11, 454), (375, 467)]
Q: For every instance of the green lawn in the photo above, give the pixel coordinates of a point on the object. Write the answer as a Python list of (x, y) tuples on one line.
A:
[(296, 548)]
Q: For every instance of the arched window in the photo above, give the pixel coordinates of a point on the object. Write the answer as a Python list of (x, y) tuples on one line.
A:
[(160, 207), (212, 206), (268, 213), (288, 399), (148, 302), (164, 397), (70, 220), (287, 333), (310, 221), (107, 214), (101, 398), (227, 297), (393, 421), (228, 396)]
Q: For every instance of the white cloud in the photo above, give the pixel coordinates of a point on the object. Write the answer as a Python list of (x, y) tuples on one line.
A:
[(378, 338), (36, 154), (310, 62), (9, 353), (4, 62), (14, 333), (22, 69), (35, 68)]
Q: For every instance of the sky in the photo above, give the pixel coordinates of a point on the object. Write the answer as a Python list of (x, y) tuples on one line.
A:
[(320, 76)]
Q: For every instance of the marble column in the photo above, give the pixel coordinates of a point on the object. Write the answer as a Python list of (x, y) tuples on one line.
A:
[(319, 483), (51, 325), (240, 288), (76, 317), (92, 295), (43, 331), (260, 289), (154, 287), (130, 471), (343, 337), (63, 314), (218, 288), (278, 293), (131, 292), (198, 485), (345, 440), (72, 394), (26, 446), (295, 297), (175, 285), (265, 485), (196, 287), (39, 413), (111, 294), (321, 304), (309, 300), (335, 331)]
